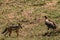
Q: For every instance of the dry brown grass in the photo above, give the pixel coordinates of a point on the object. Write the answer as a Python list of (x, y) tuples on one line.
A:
[(14, 11)]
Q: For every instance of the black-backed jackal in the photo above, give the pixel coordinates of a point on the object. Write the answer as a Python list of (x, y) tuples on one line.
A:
[(12, 28)]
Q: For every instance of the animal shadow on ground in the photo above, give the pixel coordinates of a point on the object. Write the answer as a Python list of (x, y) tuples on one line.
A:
[(53, 33)]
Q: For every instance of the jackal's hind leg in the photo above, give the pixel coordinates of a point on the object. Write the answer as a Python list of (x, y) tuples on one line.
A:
[(5, 33), (10, 31)]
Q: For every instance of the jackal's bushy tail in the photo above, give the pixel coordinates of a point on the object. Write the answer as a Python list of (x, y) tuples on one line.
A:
[(4, 30)]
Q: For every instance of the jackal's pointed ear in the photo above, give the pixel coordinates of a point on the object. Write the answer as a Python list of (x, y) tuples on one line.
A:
[(18, 23)]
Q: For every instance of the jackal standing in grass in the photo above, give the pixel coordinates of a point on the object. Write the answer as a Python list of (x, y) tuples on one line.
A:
[(12, 28)]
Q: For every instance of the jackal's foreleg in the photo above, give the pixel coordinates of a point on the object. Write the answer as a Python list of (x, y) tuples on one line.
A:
[(17, 31)]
